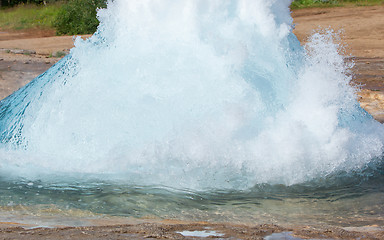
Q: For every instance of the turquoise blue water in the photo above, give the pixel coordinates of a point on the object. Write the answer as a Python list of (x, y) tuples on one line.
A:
[(338, 201)]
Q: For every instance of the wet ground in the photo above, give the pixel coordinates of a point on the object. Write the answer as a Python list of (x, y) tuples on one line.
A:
[(15, 73), (369, 73), (201, 230)]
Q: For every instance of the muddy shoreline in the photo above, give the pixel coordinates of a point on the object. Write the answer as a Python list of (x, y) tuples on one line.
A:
[(184, 230)]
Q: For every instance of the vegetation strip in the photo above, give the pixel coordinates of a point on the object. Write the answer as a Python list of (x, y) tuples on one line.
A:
[(72, 17)]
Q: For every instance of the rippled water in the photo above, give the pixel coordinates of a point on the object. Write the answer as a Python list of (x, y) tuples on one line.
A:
[(340, 201)]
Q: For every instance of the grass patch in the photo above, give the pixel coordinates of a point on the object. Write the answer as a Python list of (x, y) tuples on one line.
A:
[(66, 17), (333, 3), (29, 16)]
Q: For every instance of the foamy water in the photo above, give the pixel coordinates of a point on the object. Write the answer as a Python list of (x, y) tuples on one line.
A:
[(191, 95)]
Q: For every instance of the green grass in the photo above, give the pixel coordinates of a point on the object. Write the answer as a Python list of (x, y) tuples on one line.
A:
[(69, 17), (333, 3), (29, 16)]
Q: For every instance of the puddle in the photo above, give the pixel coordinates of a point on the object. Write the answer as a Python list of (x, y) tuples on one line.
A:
[(281, 236), (204, 233), (288, 236)]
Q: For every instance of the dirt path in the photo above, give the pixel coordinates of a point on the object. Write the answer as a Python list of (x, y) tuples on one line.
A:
[(24, 56), (41, 46), (362, 27)]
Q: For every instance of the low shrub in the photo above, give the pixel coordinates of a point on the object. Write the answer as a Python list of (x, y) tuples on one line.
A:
[(78, 17)]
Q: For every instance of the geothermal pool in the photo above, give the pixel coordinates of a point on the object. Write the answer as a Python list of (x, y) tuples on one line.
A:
[(194, 110), (344, 203)]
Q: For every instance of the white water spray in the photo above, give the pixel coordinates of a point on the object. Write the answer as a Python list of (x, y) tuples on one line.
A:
[(191, 94)]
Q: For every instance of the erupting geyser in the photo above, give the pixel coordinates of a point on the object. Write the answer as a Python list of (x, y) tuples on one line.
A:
[(191, 94)]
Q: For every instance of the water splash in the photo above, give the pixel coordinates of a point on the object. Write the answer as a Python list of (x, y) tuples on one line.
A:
[(191, 94)]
